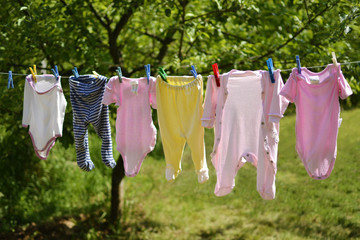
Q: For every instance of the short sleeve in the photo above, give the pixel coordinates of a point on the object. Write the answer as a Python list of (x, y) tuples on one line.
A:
[(208, 118), (152, 92), (289, 90), (27, 104), (111, 94), (278, 102), (344, 87)]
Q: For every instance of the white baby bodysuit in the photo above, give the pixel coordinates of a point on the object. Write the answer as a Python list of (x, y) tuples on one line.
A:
[(44, 110)]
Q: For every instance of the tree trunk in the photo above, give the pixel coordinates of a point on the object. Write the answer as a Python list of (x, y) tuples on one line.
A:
[(118, 175)]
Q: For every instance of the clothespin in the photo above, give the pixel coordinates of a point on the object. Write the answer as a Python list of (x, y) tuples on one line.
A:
[(270, 66), (334, 59), (147, 70), (75, 72), (56, 72), (33, 72), (216, 74), (96, 74), (10, 80), (118, 70), (193, 71), (162, 74), (298, 64)]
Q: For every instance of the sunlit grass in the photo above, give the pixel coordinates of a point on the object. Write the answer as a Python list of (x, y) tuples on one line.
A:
[(304, 208)]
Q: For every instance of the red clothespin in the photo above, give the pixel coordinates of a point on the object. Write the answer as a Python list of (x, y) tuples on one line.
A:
[(216, 74)]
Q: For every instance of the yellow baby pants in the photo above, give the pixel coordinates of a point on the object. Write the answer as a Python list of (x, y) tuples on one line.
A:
[(179, 110)]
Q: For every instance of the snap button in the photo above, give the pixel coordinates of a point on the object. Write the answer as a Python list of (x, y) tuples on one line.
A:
[(262, 123), (267, 152)]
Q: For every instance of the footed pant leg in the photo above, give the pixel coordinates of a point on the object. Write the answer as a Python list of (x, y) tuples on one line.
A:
[(103, 130), (173, 146), (82, 146), (197, 146)]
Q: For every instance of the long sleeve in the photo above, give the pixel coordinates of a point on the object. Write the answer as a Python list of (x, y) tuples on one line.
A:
[(27, 104), (152, 92), (208, 118), (111, 95), (344, 87), (278, 103)]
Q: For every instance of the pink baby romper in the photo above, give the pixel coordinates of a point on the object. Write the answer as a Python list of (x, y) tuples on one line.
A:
[(135, 130), (245, 111), (317, 116)]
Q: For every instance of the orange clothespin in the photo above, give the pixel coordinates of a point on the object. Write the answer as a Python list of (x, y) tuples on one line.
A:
[(33, 72)]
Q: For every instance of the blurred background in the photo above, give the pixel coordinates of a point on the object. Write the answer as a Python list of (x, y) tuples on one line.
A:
[(54, 199)]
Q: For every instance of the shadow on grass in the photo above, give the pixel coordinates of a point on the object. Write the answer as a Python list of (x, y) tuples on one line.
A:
[(341, 228), (84, 226)]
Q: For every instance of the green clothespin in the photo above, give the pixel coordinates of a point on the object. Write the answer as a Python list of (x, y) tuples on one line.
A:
[(162, 73), (118, 70)]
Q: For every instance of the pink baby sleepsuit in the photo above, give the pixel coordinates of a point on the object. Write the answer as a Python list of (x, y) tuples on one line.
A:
[(317, 116), (135, 131), (245, 110)]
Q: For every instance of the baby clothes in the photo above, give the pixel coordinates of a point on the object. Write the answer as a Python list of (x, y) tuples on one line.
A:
[(179, 103), (245, 111), (44, 110), (135, 131), (317, 116), (86, 94)]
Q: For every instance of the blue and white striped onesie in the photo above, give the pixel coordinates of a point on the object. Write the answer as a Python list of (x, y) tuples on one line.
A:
[(86, 94)]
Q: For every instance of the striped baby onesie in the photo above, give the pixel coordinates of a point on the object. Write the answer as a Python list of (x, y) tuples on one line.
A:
[(86, 95)]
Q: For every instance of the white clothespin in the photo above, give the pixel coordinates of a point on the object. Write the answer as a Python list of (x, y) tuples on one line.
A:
[(334, 59)]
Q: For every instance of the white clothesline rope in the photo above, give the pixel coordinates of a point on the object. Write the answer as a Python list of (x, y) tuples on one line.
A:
[(283, 70)]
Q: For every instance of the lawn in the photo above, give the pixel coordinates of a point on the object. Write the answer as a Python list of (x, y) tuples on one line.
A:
[(76, 207), (303, 209)]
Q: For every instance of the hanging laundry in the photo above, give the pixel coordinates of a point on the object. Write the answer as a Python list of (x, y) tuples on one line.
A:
[(44, 110), (179, 102), (316, 97), (86, 95), (135, 130), (245, 111)]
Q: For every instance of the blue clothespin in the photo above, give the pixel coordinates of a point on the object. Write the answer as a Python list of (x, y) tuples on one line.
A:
[(193, 71), (10, 80), (56, 72), (270, 66), (119, 72), (147, 70), (298, 64), (75, 72)]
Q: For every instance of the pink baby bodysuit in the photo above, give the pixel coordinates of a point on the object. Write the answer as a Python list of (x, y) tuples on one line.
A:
[(245, 111), (135, 130), (317, 115)]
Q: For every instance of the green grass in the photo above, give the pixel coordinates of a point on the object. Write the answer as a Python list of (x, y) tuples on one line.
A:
[(155, 209), (303, 209)]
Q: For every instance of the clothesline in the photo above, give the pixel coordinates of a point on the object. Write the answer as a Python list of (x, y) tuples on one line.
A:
[(283, 70)]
